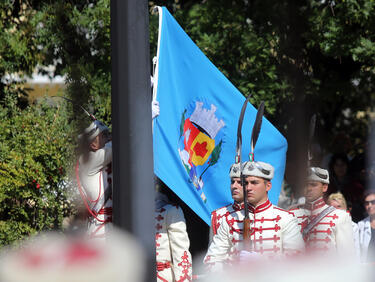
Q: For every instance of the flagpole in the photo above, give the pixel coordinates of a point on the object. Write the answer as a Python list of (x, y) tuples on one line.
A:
[(133, 183), (156, 59)]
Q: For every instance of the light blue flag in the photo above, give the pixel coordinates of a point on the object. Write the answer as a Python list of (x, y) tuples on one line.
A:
[(195, 134)]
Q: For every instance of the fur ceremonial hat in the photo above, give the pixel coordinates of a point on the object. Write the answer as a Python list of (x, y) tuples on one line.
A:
[(318, 174), (235, 170), (259, 169), (93, 130)]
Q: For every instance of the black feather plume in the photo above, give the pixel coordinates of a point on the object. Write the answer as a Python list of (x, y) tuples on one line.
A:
[(75, 104), (239, 128), (311, 136), (257, 126)]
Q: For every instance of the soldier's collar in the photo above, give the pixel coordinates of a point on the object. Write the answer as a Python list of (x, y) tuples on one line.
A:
[(316, 204), (238, 206), (260, 208)]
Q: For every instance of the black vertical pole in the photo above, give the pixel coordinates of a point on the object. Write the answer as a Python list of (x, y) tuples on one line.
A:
[(133, 192)]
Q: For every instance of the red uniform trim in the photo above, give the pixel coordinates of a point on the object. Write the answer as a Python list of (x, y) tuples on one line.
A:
[(160, 266), (84, 198), (266, 205), (186, 265), (315, 231), (262, 220), (280, 209), (261, 229), (93, 234), (314, 240), (326, 223), (214, 223), (157, 236), (334, 216), (161, 278), (261, 239), (261, 250), (107, 211), (316, 205)]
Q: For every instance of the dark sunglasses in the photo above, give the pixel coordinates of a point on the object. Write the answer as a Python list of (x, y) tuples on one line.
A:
[(370, 202)]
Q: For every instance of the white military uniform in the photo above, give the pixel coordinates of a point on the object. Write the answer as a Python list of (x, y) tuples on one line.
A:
[(218, 214), (364, 227), (173, 259), (216, 217), (273, 232), (95, 176), (333, 233)]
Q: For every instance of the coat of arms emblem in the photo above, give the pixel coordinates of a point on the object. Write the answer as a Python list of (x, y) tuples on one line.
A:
[(200, 143)]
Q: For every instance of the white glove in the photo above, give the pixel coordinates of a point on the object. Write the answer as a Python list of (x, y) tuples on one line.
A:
[(246, 256), (155, 109)]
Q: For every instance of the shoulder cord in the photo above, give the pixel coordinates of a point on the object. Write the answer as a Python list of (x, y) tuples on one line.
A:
[(315, 221), (84, 197)]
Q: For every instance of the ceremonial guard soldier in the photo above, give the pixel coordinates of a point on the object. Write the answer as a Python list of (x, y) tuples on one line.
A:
[(173, 259), (94, 177), (252, 226), (273, 231), (235, 173), (324, 228), (237, 196)]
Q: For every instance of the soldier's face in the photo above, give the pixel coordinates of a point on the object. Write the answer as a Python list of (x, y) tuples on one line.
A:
[(314, 190), (370, 204), (236, 189), (256, 190), (98, 142)]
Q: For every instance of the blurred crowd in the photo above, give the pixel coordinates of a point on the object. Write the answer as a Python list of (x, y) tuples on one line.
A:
[(350, 174)]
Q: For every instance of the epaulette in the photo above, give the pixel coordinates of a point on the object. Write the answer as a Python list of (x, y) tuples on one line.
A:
[(280, 209), (220, 208), (295, 207)]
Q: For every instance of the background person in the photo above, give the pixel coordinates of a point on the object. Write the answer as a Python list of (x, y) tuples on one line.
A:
[(338, 201), (342, 181), (367, 228)]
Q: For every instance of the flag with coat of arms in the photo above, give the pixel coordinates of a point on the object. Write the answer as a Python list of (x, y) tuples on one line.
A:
[(194, 137)]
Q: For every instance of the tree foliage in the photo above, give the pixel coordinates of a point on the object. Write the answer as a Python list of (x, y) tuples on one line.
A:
[(301, 57), (37, 145), (19, 53), (36, 141), (75, 37), (35, 154)]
